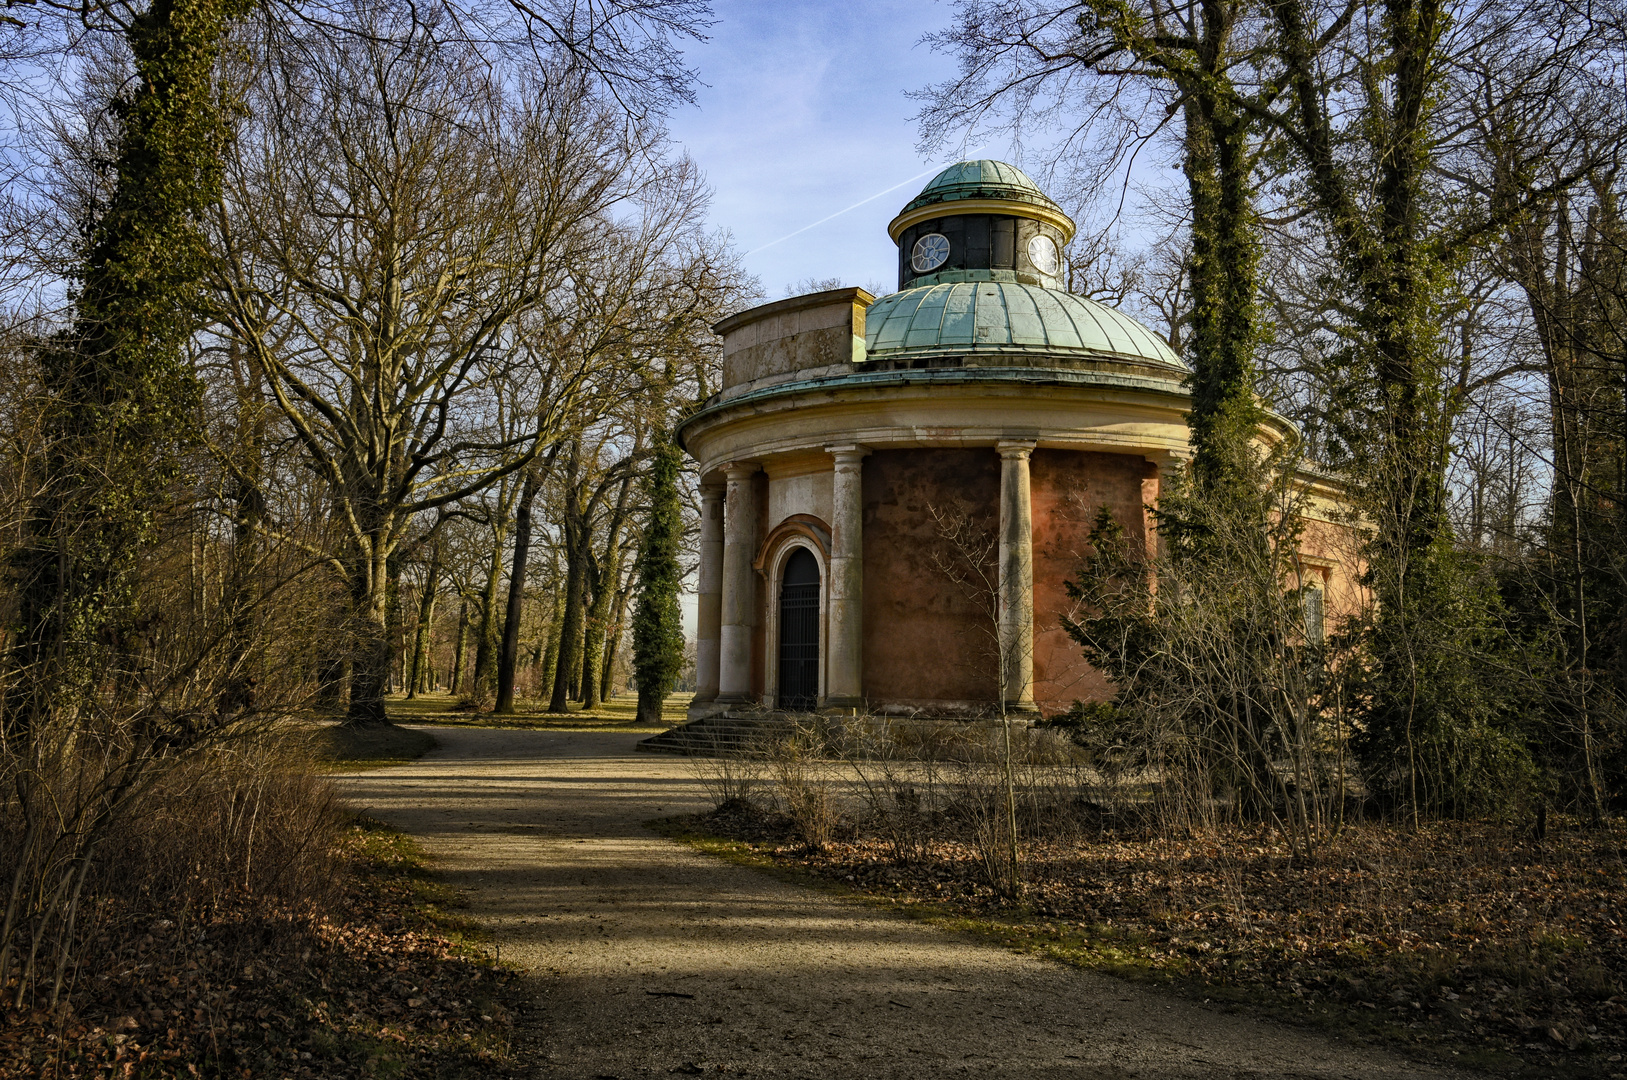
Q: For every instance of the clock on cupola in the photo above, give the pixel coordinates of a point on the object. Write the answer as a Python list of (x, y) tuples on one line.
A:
[(981, 221)]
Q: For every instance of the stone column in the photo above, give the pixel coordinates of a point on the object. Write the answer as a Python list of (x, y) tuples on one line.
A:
[(1169, 467), (709, 587), (1016, 574), (739, 584), (844, 667)]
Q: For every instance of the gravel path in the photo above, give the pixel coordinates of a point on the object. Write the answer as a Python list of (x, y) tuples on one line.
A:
[(650, 959)]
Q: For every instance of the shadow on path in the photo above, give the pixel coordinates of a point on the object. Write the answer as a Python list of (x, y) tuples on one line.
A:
[(650, 959)]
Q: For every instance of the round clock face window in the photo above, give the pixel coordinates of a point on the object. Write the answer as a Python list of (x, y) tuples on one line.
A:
[(931, 252), (1042, 253)]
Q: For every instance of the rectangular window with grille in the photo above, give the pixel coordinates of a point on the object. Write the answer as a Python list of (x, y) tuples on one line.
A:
[(1311, 605)]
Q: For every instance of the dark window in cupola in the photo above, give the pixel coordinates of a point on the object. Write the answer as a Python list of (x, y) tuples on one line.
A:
[(975, 253), (1003, 243), (976, 242)]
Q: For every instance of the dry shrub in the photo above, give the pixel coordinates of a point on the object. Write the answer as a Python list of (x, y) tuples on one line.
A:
[(246, 821), (901, 794), (730, 776), (921, 779), (794, 760), (235, 839)]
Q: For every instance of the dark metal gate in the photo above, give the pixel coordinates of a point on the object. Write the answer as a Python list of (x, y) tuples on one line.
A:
[(799, 632)]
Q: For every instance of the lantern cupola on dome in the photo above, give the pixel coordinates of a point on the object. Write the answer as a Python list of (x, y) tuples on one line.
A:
[(981, 221)]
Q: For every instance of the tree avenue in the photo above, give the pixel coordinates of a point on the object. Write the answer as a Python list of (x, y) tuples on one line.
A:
[(399, 272)]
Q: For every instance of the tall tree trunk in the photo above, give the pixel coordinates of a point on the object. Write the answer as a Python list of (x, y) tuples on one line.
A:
[(121, 385), (658, 639), (461, 648), (612, 639), (249, 512), (550, 653), (576, 553), (510, 652), (486, 636), (604, 590), (1224, 267), (417, 683), (370, 666), (395, 675)]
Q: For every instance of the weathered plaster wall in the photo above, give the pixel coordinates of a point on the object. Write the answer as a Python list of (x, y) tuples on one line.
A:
[(924, 640), (1333, 549), (806, 490), (819, 333), (1068, 488)]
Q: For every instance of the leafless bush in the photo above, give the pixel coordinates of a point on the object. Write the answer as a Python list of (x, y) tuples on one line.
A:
[(137, 776), (920, 780), (794, 760), (729, 774), (101, 841), (898, 778)]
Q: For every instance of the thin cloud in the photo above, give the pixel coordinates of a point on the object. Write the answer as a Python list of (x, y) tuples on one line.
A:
[(868, 199)]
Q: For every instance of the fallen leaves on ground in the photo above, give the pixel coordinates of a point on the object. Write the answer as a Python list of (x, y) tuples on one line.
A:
[(383, 987), (1465, 935)]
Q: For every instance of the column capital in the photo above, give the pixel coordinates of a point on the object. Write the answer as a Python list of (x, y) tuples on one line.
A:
[(848, 453), (1015, 448), (712, 489), (740, 470), (1168, 461)]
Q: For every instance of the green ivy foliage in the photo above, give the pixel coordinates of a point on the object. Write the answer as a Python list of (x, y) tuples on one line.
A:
[(122, 394), (658, 636)]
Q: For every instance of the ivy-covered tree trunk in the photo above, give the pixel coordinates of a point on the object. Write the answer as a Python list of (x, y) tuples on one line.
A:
[(658, 636), (550, 653), (1435, 737), (123, 392), (1224, 270)]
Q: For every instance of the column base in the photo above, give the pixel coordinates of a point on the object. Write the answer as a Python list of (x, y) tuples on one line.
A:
[(701, 710), (846, 706), (735, 699)]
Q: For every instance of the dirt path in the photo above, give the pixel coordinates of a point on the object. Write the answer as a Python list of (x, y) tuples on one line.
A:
[(651, 959)]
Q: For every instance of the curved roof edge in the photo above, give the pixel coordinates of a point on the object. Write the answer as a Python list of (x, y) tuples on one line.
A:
[(1168, 387)]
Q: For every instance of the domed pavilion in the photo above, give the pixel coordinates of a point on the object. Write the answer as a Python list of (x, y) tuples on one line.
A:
[(852, 433)]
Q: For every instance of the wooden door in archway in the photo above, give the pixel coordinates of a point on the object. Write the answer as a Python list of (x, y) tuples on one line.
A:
[(799, 632)]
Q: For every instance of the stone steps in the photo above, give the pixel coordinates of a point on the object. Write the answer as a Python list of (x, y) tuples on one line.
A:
[(715, 736)]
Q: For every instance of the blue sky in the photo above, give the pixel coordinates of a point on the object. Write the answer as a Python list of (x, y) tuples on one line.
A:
[(803, 116)]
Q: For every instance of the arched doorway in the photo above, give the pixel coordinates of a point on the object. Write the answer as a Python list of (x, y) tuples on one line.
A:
[(799, 631)]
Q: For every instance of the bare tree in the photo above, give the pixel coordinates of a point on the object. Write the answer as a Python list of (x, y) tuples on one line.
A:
[(400, 225)]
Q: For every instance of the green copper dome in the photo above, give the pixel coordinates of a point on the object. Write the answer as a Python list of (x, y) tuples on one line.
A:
[(1006, 317), (982, 180)]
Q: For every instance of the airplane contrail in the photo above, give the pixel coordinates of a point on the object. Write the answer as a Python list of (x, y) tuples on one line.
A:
[(855, 206)]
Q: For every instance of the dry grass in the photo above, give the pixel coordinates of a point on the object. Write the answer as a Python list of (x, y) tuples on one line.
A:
[(347, 748), (237, 923), (619, 713), (1475, 942)]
